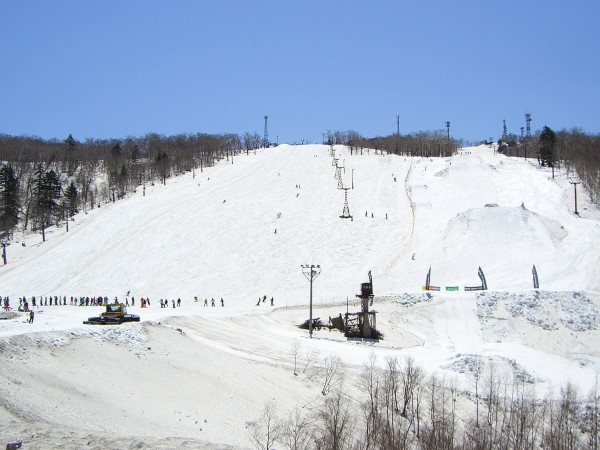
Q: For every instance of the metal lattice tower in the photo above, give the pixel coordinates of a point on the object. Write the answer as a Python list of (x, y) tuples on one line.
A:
[(528, 120), (266, 136), (504, 130), (346, 211)]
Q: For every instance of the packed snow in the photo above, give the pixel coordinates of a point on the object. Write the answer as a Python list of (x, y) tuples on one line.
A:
[(194, 376)]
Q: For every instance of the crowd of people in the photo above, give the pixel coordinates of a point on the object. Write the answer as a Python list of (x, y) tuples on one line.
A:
[(27, 305)]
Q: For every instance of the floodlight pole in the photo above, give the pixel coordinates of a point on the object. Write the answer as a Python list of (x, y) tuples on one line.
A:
[(575, 183), (311, 272)]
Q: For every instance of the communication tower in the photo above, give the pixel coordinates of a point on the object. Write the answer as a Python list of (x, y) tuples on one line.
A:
[(528, 120)]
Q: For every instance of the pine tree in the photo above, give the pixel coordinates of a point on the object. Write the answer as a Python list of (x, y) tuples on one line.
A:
[(9, 198), (71, 199), (47, 192), (70, 154), (548, 155)]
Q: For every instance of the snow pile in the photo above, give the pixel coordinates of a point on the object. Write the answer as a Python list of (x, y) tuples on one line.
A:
[(476, 365), (465, 363), (132, 337), (544, 309), (408, 299)]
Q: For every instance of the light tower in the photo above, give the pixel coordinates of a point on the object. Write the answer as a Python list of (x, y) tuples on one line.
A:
[(266, 136), (528, 120), (575, 182), (448, 129), (311, 272)]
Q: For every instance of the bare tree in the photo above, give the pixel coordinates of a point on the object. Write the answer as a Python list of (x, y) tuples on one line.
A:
[(331, 373), (266, 429), (296, 346), (335, 423), (297, 432), (411, 376)]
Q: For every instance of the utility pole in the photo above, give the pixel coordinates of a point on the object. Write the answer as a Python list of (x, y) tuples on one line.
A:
[(266, 135), (398, 124), (575, 183), (311, 272)]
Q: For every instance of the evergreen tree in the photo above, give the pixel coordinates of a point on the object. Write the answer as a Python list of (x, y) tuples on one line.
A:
[(9, 198), (547, 142), (135, 153), (116, 151), (162, 161), (71, 199), (70, 154), (47, 192)]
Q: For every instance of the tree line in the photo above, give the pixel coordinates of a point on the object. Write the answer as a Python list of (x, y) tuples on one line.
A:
[(45, 182), (575, 150), (422, 143), (398, 405)]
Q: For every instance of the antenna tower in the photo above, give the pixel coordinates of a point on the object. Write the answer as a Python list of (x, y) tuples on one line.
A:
[(528, 120), (398, 124), (266, 136), (504, 130)]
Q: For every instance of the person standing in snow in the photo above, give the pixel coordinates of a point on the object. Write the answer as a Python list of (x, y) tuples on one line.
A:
[(222, 302), (271, 301), (205, 302), (178, 302), (14, 445), (31, 314), (212, 302)]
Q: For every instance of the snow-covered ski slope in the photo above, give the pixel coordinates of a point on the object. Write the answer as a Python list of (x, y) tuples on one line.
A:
[(242, 230), (193, 377)]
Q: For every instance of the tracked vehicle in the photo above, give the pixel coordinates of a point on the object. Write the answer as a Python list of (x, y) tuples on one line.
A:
[(115, 314)]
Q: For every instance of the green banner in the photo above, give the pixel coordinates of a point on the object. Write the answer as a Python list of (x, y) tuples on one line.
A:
[(452, 288)]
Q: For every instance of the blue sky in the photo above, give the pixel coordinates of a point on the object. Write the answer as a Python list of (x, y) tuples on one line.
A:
[(111, 69)]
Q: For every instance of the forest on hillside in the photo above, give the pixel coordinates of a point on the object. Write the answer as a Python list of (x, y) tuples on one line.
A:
[(45, 182)]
